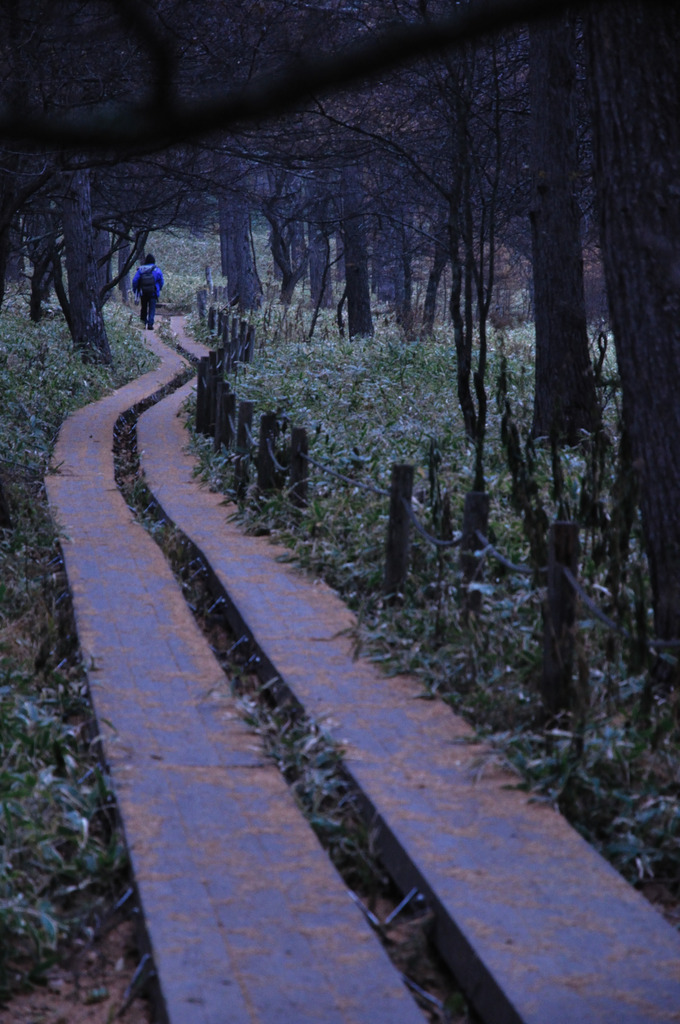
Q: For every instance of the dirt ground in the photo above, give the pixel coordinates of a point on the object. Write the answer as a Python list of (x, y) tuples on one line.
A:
[(96, 987)]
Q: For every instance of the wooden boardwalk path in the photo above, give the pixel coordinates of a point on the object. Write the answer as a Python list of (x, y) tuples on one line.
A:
[(247, 920), (537, 927)]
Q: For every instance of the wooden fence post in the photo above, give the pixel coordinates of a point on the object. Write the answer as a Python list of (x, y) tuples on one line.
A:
[(266, 468), (243, 429), (229, 401), (475, 518), (234, 345), (201, 395), (5, 515), (221, 422), (299, 467), (243, 329), (211, 389), (558, 692), (398, 545), (250, 344), (212, 315), (226, 355)]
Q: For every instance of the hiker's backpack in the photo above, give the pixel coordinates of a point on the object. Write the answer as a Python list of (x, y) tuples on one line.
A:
[(147, 283)]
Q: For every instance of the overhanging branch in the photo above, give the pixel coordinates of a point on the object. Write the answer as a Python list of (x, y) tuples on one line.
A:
[(131, 126)]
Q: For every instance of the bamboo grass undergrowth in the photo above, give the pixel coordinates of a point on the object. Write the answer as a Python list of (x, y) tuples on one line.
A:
[(62, 856)]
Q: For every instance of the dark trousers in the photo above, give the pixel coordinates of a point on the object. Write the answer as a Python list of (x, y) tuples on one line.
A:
[(148, 310)]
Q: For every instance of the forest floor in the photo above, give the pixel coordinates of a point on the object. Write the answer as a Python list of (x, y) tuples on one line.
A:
[(93, 984)]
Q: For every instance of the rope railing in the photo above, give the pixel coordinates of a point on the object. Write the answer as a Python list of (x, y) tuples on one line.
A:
[(346, 479), (249, 437), (489, 549), (435, 541), (275, 463), (652, 644)]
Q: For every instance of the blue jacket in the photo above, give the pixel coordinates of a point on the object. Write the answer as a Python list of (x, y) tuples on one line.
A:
[(157, 276)]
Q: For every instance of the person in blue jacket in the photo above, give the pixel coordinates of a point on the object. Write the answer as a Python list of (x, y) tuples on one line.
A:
[(147, 284)]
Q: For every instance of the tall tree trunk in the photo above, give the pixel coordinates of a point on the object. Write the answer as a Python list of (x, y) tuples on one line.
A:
[(565, 402), (391, 263), (124, 275), (87, 323), (5, 245), (440, 256), (360, 321), (634, 65), (290, 259), (238, 260), (320, 277), (102, 255)]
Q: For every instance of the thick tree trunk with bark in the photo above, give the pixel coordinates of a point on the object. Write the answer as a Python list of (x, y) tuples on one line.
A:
[(85, 317), (391, 263), (124, 282), (360, 321), (565, 402), (320, 273), (238, 262), (634, 64), (39, 239), (440, 256), (290, 257), (5, 243)]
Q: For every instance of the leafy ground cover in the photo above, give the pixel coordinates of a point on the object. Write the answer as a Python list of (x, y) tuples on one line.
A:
[(611, 765), (62, 858)]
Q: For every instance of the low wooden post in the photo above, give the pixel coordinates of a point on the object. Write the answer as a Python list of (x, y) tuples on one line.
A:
[(299, 467), (220, 434), (219, 363), (250, 344), (5, 515), (475, 519), (559, 620), (243, 429), (202, 302), (229, 401), (220, 321), (266, 468), (212, 316), (398, 545), (243, 330), (226, 351), (201, 395), (234, 345), (211, 389)]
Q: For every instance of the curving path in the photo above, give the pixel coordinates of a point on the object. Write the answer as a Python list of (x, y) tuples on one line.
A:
[(247, 920), (244, 922)]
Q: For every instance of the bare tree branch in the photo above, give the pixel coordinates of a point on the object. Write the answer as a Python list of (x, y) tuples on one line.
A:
[(165, 121)]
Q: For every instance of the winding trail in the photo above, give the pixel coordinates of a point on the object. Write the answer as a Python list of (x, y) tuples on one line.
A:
[(536, 926)]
